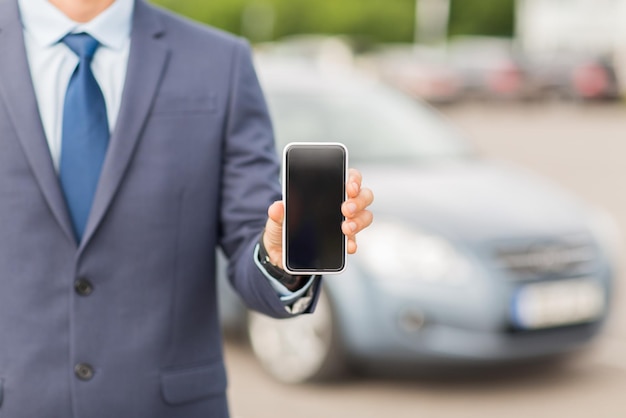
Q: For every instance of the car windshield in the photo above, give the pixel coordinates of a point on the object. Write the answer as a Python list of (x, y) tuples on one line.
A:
[(377, 125)]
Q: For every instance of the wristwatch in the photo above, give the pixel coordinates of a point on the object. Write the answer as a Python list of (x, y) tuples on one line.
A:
[(284, 278)]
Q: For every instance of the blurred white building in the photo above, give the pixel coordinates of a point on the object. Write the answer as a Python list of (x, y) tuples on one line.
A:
[(586, 26)]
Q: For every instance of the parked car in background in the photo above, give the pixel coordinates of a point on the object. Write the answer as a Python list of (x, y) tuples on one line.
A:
[(419, 71), (323, 52), (491, 68), (573, 76), (469, 260)]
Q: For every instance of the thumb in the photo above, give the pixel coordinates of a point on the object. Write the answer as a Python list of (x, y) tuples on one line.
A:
[(273, 237)]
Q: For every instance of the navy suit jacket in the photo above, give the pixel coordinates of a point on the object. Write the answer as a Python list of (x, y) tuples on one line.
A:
[(191, 166)]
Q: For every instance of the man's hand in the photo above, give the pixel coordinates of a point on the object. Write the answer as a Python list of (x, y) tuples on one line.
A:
[(354, 209)]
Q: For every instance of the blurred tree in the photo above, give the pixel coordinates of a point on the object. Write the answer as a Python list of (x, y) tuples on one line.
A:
[(379, 20), (226, 14), (482, 17), (376, 20)]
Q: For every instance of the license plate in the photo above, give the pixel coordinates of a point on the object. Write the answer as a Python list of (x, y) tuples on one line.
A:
[(551, 304)]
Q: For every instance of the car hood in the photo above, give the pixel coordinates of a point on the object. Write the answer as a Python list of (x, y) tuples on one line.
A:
[(474, 200)]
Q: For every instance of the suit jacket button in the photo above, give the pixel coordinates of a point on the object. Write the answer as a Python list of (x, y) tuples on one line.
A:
[(83, 371), (83, 287)]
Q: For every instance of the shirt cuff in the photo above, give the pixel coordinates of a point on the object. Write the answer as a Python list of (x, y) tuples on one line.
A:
[(295, 302)]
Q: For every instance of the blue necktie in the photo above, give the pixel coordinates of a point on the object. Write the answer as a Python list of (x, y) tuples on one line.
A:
[(85, 134)]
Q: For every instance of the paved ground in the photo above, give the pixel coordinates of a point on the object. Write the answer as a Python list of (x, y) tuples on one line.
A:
[(584, 149)]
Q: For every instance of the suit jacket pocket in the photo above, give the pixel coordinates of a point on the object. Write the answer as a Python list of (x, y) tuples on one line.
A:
[(171, 104), (192, 384)]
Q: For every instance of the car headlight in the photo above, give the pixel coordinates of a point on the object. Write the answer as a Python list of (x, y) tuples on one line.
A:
[(400, 254)]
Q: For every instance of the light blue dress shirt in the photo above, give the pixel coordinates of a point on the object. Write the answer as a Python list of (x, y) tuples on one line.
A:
[(52, 64)]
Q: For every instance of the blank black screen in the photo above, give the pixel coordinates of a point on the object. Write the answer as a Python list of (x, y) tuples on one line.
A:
[(315, 189)]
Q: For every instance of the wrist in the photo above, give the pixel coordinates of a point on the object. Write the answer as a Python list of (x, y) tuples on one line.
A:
[(273, 256)]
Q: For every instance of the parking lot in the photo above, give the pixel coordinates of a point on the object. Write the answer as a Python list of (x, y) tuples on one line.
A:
[(581, 147)]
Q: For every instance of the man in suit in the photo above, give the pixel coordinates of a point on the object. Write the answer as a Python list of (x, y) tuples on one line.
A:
[(107, 239)]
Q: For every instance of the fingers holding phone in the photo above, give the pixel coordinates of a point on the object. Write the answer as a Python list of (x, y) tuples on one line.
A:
[(324, 208), (354, 209)]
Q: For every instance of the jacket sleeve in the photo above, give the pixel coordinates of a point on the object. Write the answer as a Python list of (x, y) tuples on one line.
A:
[(250, 183)]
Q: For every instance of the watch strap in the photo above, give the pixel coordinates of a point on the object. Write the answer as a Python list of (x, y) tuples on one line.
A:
[(273, 270)]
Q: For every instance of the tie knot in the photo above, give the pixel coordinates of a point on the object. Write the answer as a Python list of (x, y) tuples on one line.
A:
[(82, 44)]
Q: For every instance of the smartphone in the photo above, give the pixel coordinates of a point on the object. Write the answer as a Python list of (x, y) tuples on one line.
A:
[(314, 188)]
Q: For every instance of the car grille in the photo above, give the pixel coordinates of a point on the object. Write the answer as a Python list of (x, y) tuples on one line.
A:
[(547, 258)]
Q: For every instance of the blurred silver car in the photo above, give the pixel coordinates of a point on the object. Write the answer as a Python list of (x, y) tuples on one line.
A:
[(421, 72), (491, 68), (469, 260), (573, 76)]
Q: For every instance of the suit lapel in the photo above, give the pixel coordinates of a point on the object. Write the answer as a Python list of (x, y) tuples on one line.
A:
[(147, 61), (17, 90)]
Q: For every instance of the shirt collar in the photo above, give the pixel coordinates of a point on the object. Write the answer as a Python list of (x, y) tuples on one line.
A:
[(48, 25)]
